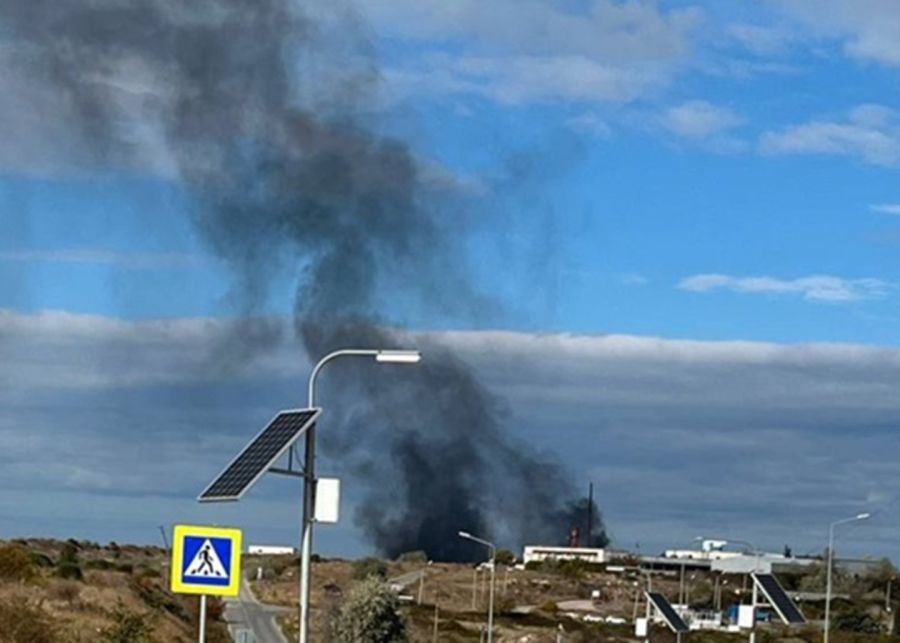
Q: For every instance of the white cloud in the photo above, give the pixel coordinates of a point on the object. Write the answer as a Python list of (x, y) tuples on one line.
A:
[(819, 288), (149, 417), (589, 123), (885, 208), (869, 29), (515, 80), (601, 29), (634, 279), (761, 40), (870, 133), (525, 50), (126, 260), (180, 352), (699, 119)]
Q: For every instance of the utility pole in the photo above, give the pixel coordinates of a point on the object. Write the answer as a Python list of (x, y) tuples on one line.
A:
[(165, 538)]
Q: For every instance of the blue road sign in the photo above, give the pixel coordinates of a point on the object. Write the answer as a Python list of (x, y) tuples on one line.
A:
[(206, 560)]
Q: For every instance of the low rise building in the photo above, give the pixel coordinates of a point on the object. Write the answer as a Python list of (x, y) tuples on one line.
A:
[(271, 550), (540, 553)]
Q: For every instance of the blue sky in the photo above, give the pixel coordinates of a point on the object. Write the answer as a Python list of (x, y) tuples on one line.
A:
[(683, 170)]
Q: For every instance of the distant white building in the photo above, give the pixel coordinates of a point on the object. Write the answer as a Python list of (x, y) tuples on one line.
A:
[(710, 550), (698, 554), (539, 553), (271, 550)]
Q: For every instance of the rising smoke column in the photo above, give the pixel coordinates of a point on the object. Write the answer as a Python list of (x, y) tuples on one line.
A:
[(263, 113)]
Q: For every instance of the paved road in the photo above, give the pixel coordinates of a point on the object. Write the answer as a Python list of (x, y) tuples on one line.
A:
[(577, 606), (404, 581), (247, 613)]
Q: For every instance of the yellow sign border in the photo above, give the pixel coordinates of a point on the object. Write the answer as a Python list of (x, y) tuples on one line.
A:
[(234, 584)]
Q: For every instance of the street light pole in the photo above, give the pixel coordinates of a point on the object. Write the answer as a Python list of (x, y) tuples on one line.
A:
[(827, 625), (309, 479), (493, 550)]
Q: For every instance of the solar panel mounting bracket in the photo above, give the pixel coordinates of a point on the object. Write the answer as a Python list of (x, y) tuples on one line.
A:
[(260, 455), (288, 472)]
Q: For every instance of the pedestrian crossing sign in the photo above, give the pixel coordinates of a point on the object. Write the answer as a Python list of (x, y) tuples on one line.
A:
[(206, 560)]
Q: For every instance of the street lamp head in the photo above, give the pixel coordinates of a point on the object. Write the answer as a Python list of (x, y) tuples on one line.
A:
[(863, 516), (465, 534), (398, 357)]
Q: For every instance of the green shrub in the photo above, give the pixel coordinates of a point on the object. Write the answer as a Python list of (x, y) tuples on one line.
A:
[(855, 619), (68, 565), (69, 552), (41, 560), (417, 556), (69, 570), (366, 567), (100, 563), (22, 622), (371, 615), (566, 568), (16, 563), (549, 607), (128, 627), (505, 557)]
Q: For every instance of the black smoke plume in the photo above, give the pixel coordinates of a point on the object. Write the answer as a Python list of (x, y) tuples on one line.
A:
[(268, 116)]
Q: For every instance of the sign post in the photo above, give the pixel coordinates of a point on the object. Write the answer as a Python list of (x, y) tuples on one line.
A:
[(206, 561)]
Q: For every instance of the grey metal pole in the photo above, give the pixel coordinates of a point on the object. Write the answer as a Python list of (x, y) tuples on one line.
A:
[(830, 567), (493, 550), (307, 529), (202, 618), (648, 610), (309, 479), (826, 625), (474, 588), (491, 599), (753, 614)]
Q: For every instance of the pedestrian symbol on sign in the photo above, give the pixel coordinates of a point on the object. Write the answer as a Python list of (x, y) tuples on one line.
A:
[(206, 562)]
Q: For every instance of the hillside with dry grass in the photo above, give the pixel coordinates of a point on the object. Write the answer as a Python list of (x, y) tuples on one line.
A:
[(76, 591)]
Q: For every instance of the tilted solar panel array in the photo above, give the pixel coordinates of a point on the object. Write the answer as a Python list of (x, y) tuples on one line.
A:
[(776, 596), (262, 452), (670, 616)]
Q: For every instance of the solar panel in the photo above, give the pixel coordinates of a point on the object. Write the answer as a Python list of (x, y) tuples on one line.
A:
[(670, 616), (262, 452), (778, 599)]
